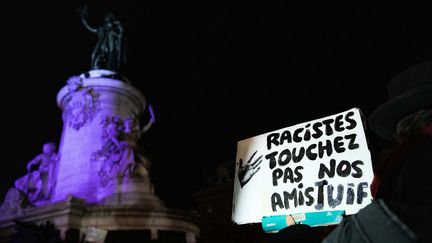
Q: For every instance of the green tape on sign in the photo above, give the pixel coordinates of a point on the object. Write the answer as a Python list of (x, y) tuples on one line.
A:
[(275, 223)]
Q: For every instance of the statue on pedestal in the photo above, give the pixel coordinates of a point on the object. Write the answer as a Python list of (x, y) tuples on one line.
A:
[(109, 52)]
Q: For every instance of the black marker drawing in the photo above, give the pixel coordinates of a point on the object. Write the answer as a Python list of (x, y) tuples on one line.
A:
[(246, 171)]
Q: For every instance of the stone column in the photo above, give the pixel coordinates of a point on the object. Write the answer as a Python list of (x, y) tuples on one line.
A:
[(88, 101)]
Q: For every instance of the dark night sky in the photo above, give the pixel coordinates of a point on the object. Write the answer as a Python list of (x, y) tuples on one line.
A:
[(216, 73)]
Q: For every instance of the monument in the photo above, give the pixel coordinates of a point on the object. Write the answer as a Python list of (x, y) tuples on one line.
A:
[(98, 183)]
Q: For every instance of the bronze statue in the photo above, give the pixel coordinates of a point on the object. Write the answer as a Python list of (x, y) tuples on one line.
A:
[(109, 52)]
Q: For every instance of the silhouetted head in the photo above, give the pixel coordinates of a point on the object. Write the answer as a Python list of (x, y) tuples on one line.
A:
[(409, 92)]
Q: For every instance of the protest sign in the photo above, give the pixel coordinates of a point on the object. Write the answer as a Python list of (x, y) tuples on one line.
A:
[(315, 166)]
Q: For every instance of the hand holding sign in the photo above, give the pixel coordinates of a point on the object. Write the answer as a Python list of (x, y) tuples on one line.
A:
[(246, 172)]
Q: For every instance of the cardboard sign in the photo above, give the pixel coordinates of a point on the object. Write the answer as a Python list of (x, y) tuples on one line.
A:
[(315, 166)]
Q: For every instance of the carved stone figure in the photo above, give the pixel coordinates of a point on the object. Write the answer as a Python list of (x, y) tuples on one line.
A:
[(37, 184), (81, 107), (120, 157), (109, 52), (115, 157), (132, 133)]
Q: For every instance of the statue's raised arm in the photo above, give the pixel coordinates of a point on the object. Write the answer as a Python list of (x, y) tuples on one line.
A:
[(83, 14)]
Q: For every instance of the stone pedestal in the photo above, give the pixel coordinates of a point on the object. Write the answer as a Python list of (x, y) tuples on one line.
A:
[(74, 213), (87, 102), (101, 178)]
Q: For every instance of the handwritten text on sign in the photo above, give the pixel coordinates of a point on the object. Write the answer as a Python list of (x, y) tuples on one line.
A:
[(313, 166)]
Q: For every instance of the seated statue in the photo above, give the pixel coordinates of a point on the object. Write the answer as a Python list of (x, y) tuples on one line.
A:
[(38, 183)]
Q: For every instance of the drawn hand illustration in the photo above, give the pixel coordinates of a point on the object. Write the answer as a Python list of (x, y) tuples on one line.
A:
[(246, 171)]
